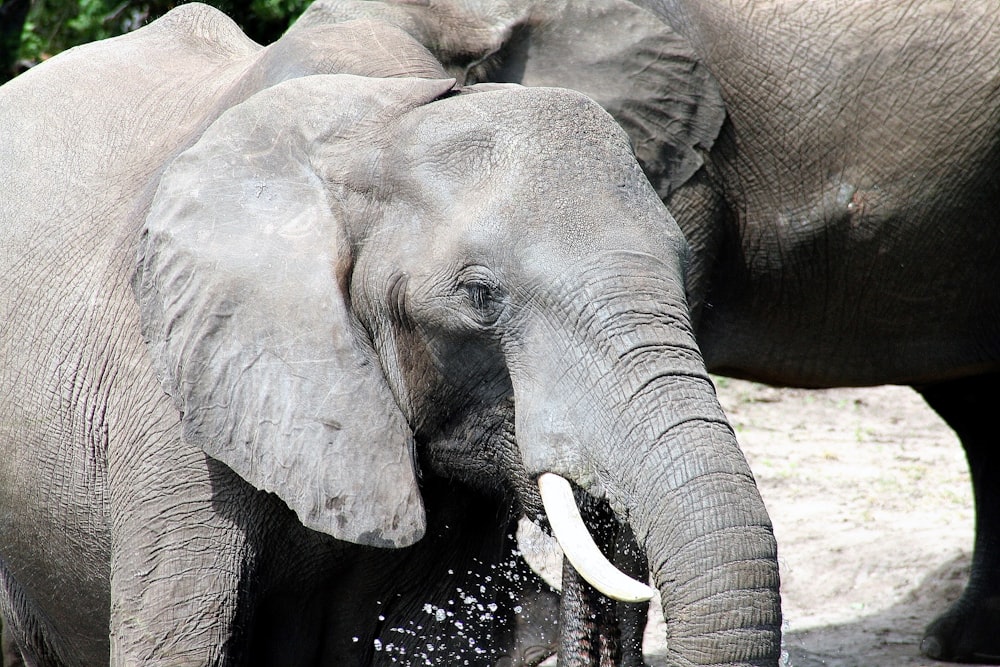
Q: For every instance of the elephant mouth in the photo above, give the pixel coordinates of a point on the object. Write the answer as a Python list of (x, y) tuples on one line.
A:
[(579, 547), (447, 454)]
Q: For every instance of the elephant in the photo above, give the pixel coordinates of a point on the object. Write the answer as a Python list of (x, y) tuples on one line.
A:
[(834, 170), (10, 654), (293, 335)]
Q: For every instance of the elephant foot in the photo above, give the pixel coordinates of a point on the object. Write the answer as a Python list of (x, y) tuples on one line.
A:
[(965, 633)]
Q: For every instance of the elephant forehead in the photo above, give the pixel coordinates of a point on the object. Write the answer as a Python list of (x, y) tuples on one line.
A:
[(529, 164), (545, 132), (508, 219), (516, 167)]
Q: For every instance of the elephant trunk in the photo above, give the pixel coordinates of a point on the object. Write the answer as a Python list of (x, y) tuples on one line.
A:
[(700, 521), (639, 424)]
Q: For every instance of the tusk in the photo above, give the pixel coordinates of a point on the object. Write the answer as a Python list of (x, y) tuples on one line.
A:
[(579, 547)]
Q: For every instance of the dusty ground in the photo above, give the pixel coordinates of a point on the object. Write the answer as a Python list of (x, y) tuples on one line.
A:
[(869, 494)]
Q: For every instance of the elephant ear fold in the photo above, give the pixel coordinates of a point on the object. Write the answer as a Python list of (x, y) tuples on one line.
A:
[(241, 282), (668, 103), (632, 63)]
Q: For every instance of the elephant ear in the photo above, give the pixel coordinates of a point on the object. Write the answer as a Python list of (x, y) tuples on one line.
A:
[(241, 283), (632, 63)]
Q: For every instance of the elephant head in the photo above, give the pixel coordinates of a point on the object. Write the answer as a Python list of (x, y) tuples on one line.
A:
[(349, 283)]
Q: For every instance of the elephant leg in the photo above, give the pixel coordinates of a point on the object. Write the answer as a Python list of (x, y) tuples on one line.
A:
[(966, 632), (179, 561), (11, 652), (26, 637)]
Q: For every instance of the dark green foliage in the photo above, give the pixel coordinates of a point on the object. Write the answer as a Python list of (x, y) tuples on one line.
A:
[(32, 30), (12, 16)]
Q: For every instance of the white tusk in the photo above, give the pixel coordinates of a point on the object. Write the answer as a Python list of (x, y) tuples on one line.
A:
[(579, 547)]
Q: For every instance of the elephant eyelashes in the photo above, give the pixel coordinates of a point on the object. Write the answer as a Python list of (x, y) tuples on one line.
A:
[(485, 295), (480, 295)]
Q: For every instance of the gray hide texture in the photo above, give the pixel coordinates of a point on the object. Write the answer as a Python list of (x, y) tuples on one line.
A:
[(241, 230)]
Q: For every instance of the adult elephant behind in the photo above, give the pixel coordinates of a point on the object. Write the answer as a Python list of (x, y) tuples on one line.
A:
[(283, 353), (834, 168)]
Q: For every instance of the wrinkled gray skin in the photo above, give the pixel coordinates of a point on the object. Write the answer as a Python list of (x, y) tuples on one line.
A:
[(283, 351), (834, 169)]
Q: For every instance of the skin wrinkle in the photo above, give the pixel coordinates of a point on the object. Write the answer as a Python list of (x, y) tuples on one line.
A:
[(696, 516), (672, 467), (668, 562), (758, 576), (82, 395), (648, 383), (595, 322), (593, 329), (684, 388), (692, 607), (641, 349), (494, 451), (593, 307), (649, 457)]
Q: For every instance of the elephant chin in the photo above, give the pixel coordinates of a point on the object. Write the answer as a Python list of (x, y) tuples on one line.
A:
[(578, 546)]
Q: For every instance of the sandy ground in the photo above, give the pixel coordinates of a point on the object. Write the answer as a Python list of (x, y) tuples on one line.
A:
[(869, 495)]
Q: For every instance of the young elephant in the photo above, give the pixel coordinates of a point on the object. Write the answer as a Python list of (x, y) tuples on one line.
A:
[(285, 352), (834, 168)]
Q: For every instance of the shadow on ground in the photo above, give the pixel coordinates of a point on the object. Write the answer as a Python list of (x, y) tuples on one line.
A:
[(888, 638)]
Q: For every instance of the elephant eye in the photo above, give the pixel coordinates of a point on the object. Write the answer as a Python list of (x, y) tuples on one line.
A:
[(480, 295), (484, 295)]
